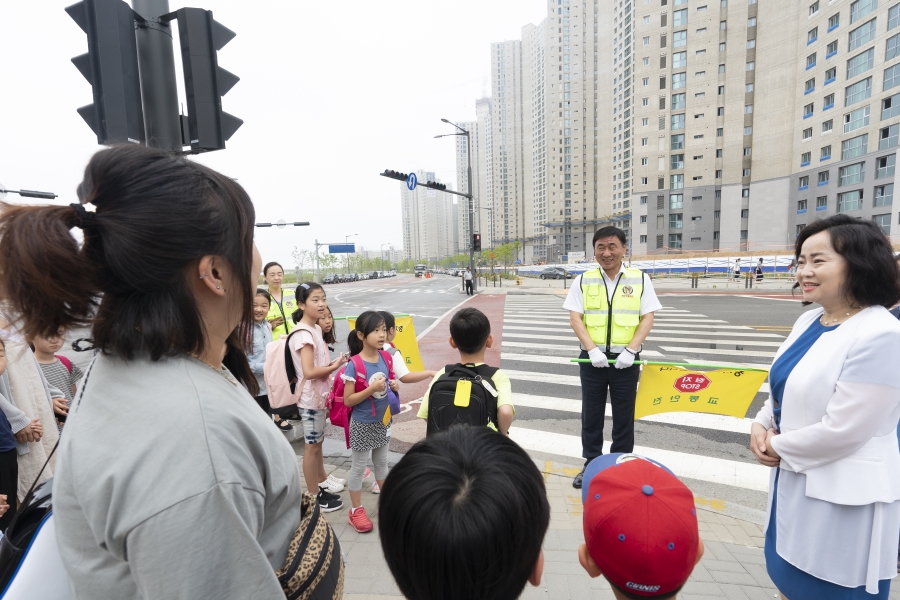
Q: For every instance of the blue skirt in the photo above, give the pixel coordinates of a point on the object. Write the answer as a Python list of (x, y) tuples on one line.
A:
[(800, 585)]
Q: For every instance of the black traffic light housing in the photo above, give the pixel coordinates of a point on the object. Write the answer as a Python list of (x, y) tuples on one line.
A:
[(395, 175), (435, 186), (476, 242), (111, 67), (205, 82)]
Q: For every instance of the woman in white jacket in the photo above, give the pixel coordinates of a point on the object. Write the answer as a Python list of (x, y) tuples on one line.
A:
[(829, 429)]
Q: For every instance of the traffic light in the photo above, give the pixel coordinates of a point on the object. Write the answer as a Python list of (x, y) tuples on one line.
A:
[(111, 67), (205, 81), (476, 242), (395, 175), (435, 186)]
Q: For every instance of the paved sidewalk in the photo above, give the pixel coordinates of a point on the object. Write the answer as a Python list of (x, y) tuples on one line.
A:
[(733, 566)]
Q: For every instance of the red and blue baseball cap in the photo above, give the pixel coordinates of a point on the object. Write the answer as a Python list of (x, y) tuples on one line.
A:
[(640, 524)]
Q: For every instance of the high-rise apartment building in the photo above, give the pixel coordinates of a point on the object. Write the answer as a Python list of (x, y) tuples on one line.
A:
[(429, 219), (755, 117), (462, 181), (483, 169)]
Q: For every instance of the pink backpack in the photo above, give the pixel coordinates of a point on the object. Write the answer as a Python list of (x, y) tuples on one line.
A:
[(280, 374), (339, 413)]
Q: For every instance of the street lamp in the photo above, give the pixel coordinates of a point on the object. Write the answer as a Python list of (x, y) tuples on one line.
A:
[(26, 193), (347, 237), (468, 193), (281, 224)]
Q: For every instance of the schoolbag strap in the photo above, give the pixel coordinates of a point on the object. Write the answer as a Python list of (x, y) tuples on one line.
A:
[(289, 360), (360, 368), (389, 361)]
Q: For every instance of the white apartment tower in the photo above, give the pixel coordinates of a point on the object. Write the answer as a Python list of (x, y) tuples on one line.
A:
[(429, 220), (482, 165)]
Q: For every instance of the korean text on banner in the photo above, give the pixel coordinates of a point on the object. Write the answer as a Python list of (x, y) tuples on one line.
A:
[(665, 389), (405, 341)]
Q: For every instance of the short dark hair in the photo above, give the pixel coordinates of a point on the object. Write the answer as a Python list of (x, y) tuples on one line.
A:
[(470, 329), (873, 278), (476, 529), (389, 321), (609, 231)]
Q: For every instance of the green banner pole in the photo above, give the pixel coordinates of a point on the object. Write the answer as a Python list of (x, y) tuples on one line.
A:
[(674, 364)]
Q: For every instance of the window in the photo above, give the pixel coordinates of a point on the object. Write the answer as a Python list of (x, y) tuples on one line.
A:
[(807, 134), (891, 77), (721, 90), (748, 130), (643, 181), (860, 90), (676, 182), (720, 112), (834, 21), (680, 18), (814, 8), (721, 68), (830, 75), (809, 86), (745, 213), (646, 41), (808, 111), (893, 16), (831, 49), (800, 227), (883, 221), (825, 153), (863, 34), (643, 199), (812, 35), (722, 47), (884, 195), (827, 126), (852, 174), (700, 52), (699, 115), (645, 122), (748, 88), (645, 81), (854, 146), (745, 193), (751, 65), (718, 154), (643, 161), (645, 101), (643, 239), (801, 206), (646, 20), (822, 203), (677, 122), (861, 8), (676, 221), (644, 141), (856, 119), (884, 166), (751, 44), (678, 101), (716, 214), (850, 201), (828, 102), (860, 63), (662, 83), (805, 158), (675, 241), (696, 199), (751, 22), (679, 39), (745, 172), (678, 142), (803, 183), (887, 137), (659, 241), (747, 151), (719, 132), (676, 201), (890, 106), (678, 80), (810, 61), (679, 59), (892, 48), (677, 162), (823, 178), (723, 25)]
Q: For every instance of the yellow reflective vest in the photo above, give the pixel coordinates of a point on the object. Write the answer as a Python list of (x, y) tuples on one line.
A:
[(285, 309), (624, 313)]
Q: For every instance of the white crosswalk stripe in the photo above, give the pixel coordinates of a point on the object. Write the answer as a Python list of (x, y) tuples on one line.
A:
[(538, 345)]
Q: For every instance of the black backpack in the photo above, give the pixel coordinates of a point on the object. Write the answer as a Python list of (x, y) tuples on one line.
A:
[(481, 411)]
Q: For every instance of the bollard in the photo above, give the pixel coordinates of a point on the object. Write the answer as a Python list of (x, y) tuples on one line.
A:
[(747, 281)]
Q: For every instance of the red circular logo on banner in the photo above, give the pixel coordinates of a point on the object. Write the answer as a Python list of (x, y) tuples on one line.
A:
[(692, 383)]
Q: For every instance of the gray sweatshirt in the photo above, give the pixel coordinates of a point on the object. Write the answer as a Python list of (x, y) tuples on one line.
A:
[(171, 483)]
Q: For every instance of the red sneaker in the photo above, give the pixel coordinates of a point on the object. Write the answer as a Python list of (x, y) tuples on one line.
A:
[(360, 520)]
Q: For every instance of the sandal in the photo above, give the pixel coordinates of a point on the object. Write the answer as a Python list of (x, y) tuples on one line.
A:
[(284, 426)]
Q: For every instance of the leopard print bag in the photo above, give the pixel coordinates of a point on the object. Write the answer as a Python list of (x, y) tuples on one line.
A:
[(314, 568)]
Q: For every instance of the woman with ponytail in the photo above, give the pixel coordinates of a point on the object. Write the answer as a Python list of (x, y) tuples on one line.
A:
[(170, 482)]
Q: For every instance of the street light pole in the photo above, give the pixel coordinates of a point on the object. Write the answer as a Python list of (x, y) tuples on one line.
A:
[(347, 237), (471, 199)]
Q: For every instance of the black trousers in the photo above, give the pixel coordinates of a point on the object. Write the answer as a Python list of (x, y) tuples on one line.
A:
[(622, 387), (263, 402), (469, 291), (9, 478)]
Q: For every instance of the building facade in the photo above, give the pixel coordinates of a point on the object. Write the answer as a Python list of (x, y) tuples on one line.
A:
[(756, 117), (429, 219)]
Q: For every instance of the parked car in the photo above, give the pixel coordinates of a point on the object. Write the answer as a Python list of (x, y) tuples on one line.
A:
[(373, 275), (330, 278), (555, 273)]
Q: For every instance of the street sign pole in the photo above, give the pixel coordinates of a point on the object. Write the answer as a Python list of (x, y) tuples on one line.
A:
[(471, 214)]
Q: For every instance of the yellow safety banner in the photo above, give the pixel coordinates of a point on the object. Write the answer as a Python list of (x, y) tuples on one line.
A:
[(665, 389), (405, 341)]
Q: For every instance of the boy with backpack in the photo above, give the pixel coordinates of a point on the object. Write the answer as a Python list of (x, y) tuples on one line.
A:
[(469, 392)]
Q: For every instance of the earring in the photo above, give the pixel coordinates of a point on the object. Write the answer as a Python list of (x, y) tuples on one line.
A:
[(218, 287)]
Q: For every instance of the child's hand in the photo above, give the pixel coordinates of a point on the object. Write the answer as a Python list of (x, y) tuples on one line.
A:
[(60, 407), (4, 505), (339, 361), (379, 386), (276, 322), (395, 385)]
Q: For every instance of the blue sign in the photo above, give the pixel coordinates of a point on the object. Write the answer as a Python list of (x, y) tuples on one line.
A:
[(341, 248), (411, 181), (518, 262)]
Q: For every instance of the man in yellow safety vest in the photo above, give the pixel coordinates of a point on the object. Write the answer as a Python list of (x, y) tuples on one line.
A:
[(611, 311)]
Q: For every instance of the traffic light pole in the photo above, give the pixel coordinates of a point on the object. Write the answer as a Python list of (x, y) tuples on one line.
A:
[(156, 63), (471, 214)]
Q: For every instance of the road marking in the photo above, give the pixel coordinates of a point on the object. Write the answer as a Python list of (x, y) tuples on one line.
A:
[(707, 333), (543, 377), (532, 316), (572, 350), (441, 318), (531, 336), (717, 352), (654, 338), (686, 419), (693, 466), (681, 319), (522, 328)]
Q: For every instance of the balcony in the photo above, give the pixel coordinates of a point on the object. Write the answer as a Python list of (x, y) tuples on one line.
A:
[(822, 207), (830, 54), (821, 183), (801, 211), (828, 106), (807, 115), (833, 27), (812, 41), (888, 142), (810, 66), (830, 80), (803, 187), (809, 91), (804, 164), (824, 158)]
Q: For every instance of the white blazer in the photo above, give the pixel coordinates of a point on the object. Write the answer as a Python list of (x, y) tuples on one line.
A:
[(841, 404)]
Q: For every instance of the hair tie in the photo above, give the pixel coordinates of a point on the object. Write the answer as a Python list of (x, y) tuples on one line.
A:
[(85, 218), (305, 286)]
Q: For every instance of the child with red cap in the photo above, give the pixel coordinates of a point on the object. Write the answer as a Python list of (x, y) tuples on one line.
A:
[(640, 527)]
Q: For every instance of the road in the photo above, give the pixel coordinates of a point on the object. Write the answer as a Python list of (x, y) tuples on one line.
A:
[(729, 330)]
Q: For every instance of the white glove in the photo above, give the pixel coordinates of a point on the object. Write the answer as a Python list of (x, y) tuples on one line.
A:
[(598, 359), (625, 360)]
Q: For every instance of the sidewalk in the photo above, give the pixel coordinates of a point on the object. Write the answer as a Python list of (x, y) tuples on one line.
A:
[(733, 566)]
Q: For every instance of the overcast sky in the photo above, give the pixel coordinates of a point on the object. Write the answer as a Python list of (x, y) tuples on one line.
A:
[(331, 94)]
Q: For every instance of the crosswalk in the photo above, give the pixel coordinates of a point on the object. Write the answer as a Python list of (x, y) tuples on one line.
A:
[(538, 343), (383, 290)]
